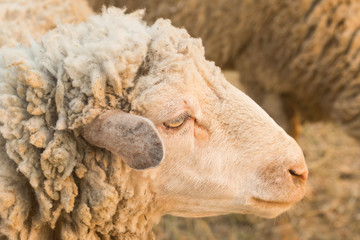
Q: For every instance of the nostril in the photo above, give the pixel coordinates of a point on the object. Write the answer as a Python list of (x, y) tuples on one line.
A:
[(299, 174)]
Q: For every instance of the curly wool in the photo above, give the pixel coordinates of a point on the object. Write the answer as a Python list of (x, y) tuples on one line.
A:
[(22, 20), (64, 187)]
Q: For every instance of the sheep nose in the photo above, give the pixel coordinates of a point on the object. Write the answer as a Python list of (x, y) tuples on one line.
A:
[(299, 172)]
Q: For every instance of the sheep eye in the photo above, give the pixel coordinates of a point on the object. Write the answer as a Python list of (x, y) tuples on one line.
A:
[(177, 122)]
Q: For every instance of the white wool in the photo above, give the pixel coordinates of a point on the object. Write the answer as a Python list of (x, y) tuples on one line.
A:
[(54, 87)]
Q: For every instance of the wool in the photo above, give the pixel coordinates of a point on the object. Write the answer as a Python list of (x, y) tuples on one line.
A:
[(48, 91)]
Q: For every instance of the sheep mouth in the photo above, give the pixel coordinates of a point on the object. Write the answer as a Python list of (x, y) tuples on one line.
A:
[(266, 203)]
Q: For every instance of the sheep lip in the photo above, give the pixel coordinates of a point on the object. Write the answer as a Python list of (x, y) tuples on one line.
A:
[(271, 203)]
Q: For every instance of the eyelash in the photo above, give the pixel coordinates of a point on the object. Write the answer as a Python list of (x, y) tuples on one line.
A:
[(182, 118)]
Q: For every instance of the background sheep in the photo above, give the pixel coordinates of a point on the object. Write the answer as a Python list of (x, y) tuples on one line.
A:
[(297, 59), (21, 19), (61, 96)]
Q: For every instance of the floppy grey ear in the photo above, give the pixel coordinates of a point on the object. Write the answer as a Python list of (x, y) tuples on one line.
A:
[(133, 138)]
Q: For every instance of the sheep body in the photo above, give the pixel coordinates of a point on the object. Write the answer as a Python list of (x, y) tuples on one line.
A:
[(311, 60), (299, 59)]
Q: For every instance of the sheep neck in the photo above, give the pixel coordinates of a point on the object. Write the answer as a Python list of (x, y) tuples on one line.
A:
[(118, 199)]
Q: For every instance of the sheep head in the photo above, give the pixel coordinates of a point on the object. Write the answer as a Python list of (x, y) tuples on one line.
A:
[(222, 153), (111, 120)]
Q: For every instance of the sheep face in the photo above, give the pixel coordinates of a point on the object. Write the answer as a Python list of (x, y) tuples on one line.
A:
[(223, 153), (219, 152)]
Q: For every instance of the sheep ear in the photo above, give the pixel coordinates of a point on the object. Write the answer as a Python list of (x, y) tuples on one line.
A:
[(133, 138)]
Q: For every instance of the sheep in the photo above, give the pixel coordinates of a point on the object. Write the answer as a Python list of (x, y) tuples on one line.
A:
[(109, 124), (297, 59), (21, 19)]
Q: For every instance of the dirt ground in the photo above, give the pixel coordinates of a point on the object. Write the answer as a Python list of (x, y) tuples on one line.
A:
[(329, 211)]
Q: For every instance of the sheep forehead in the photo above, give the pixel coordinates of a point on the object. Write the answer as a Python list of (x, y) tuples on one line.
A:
[(160, 96), (174, 69)]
